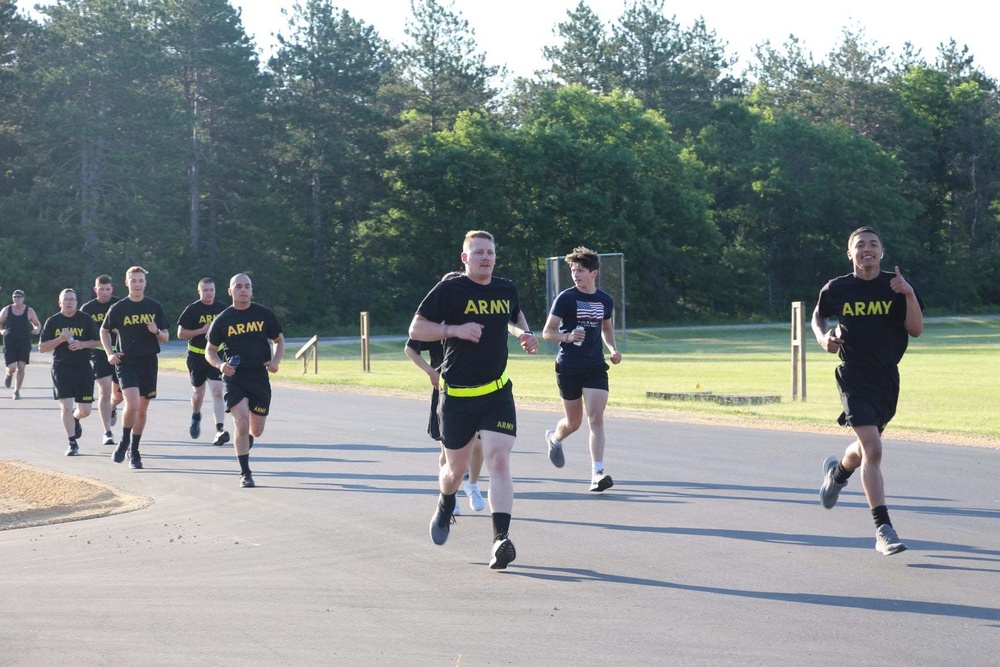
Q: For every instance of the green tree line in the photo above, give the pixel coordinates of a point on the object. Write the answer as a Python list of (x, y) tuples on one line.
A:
[(342, 171)]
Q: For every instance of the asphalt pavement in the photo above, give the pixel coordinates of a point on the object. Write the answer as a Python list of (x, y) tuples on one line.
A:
[(711, 548)]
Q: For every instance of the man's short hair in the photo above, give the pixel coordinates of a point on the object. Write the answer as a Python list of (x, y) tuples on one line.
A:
[(863, 230), (237, 275), (205, 281), (476, 234), (585, 257), (104, 279), (68, 290), (135, 269)]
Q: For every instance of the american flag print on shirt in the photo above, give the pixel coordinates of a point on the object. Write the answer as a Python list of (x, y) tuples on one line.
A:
[(592, 311)]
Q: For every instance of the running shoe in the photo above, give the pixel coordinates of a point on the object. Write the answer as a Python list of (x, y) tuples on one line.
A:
[(114, 414), (441, 524), (120, 451), (77, 428), (73, 449), (504, 553), (246, 481), (601, 482), (830, 491), (134, 460), (887, 542), (221, 438), (555, 451), (16, 396), (195, 429), (476, 500), (6, 380), (109, 438), (457, 511)]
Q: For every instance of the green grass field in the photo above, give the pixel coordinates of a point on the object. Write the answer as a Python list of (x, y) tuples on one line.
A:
[(950, 375)]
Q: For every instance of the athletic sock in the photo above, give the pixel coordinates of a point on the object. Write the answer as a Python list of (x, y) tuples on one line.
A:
[(841, 474), (196, 416), (135, 441), (447, 501), (501, 525), (244, 460), (598, 466), (218, 427), (126, 434), (881, 516)]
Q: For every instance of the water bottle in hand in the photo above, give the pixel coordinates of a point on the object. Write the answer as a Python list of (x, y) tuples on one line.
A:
[(234, 361)]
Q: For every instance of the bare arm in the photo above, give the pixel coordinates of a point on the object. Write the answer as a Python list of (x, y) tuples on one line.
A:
[(608, 336), (424, 330), (35, 324), (527, 339), (422, 364), (277, 352), (827, 339), (188, 334)]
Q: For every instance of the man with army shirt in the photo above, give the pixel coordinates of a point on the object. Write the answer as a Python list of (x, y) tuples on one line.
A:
[(70, 335), (141, 326), (192, 326), (252, 343), (474, 314), (109, 394), (877, 312)]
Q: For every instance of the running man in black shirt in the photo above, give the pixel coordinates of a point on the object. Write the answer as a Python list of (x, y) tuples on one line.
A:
[(109, 394), (192, 327), (141, 326), (580, 321), (877, 312), (473, 314), (71, 335), (18, 323), (250, 339)]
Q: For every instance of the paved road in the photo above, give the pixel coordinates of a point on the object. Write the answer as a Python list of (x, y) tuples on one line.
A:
[(710, 549)]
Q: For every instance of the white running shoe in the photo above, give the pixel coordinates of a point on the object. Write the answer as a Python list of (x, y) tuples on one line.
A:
[(476, 500)]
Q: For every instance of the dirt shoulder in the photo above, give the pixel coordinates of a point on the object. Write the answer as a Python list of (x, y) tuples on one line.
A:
[(31, 496)]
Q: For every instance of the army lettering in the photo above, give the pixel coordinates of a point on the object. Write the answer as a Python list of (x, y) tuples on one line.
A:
[(484, 307), (205, 319), (77, 332), (245, 327), (138, 319), (859, 308)]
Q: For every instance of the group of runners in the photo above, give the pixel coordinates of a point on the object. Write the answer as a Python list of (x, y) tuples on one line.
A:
[(464, 322), (114, 344)]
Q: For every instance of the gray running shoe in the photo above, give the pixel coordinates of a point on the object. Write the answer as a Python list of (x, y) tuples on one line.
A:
[(441, 525), (504, 554), (73, 449), (830, 491), (601, 482), (555, 452), (6, 380), (887, 542), (120, 450), (195, 429)]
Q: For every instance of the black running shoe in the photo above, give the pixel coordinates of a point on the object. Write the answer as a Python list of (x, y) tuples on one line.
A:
[(73, 449), (195, 429), (135, 461), (77, 428), (441, 524), (6, 381), (504, 554), (246, 481), (120, 451), (221, 438), (109, 438), (114, 414)]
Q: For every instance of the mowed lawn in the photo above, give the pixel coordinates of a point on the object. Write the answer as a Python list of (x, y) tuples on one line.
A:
[(950, 376)]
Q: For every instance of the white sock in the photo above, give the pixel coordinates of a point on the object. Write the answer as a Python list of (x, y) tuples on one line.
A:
[(557, 443), (598, 466)]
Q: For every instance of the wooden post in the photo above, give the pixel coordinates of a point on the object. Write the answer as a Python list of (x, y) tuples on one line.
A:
[(311, 348), (366, 360), (798, 350)]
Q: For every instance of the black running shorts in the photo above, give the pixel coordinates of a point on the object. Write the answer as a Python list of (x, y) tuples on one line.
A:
[(869, 395), (102, 367), (13, 353), (256, 389), (140, 373), (200, 370), (434, 423), (572, 381), (76, 382), (461, 418)]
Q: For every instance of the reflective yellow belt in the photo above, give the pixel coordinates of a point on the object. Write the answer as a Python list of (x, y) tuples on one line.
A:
[(481, 390), (192, 348)]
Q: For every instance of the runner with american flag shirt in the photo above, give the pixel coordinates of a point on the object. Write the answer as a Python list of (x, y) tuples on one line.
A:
[(581, 322)]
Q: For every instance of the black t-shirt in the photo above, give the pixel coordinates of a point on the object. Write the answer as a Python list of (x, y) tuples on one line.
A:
[(434, 347), (461, 300), (97, 312), (872, 319), (197, 315), (83, 328), (579, 309), (129, 318), (246, 332)]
